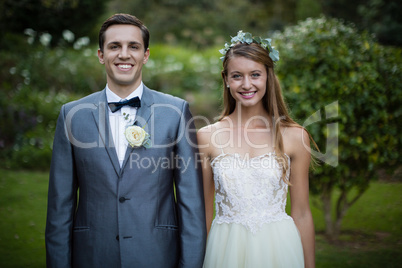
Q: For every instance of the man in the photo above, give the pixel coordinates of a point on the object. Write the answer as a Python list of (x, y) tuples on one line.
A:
[(114, 203)]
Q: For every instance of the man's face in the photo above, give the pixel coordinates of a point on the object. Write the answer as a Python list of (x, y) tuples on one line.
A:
[(123, 56)]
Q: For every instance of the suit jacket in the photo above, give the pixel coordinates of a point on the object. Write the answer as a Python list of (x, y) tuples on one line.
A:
[(149, 212)]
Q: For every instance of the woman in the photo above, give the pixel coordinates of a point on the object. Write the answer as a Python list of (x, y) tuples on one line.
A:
[(251, 157)]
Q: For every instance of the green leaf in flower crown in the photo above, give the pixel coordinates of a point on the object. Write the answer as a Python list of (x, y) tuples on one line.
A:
[(274, 55), (235, 39), (238, 38), (264, 44), (248, 38)]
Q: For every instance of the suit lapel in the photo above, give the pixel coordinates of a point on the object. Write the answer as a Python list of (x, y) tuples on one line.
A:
[(101, 117), (142, 117)]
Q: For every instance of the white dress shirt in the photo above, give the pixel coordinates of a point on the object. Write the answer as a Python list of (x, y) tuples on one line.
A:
[(122, 118)]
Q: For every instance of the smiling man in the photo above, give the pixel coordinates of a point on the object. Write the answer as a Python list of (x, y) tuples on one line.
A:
[(131, 211)]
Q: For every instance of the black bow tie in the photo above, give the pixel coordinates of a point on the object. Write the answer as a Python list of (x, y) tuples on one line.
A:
[(115, 106)]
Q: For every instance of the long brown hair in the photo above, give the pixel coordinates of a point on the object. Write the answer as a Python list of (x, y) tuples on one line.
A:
[(272, 101)]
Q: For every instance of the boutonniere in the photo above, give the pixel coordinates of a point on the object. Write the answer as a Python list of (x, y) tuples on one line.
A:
[(137, 137)]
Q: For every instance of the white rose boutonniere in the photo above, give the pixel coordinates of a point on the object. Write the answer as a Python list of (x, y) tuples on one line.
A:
[(137, 137)]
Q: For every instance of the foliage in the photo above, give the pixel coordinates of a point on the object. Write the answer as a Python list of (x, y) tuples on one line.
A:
[(48, 16), (381, 17), (187, 73), (27, 123), (207, 22), (308, 9), (51, 69), (329, 69), (35, 82)]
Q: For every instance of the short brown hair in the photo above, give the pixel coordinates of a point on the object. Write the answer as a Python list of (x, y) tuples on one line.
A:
[(123, 19)]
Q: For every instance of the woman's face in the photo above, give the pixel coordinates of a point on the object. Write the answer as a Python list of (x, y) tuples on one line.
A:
[(247, 80)]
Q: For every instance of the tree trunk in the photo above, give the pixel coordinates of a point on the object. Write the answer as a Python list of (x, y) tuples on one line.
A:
[(333, 225), (342, 206), (327, 206)]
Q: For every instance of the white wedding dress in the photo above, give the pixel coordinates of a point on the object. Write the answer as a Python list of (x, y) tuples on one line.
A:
[(251, 228)]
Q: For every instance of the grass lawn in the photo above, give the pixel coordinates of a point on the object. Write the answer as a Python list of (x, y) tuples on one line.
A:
[(372, 230), (23, 201)]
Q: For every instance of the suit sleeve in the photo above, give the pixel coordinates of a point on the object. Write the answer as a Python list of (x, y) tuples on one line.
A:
[(189, 193), (62, 198)]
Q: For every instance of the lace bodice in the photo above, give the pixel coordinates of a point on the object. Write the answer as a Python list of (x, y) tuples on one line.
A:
[(249, 191)]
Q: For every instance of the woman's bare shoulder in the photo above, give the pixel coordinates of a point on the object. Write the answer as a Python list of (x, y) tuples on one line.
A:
[(205, 133), (295, 139)]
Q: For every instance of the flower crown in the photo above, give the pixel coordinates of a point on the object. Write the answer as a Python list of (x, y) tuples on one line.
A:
[(248, 38)]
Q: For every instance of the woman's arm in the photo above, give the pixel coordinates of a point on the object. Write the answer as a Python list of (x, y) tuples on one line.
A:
[(297, 143), (204, 144)]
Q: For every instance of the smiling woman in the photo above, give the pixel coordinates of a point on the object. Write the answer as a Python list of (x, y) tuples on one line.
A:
[(255, 128)]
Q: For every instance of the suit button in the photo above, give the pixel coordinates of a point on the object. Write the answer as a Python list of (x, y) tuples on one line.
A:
[(122, 199), (117, 237)]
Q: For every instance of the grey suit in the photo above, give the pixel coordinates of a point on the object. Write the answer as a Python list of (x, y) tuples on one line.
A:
[(129, 216)]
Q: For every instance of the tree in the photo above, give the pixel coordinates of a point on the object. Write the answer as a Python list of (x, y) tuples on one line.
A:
[(50, 16), (381, 17), (207, 22), (35, 79), (345, 89)]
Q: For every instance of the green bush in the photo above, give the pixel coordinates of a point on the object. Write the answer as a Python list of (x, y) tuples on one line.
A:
[(350, 86), (35, 82), (187, 73), (28, 121)]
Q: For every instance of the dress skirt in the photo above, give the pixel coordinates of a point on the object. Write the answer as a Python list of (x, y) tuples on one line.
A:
[(275, 244)]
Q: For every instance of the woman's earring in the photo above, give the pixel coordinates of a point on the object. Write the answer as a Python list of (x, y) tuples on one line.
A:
[(227, 86)]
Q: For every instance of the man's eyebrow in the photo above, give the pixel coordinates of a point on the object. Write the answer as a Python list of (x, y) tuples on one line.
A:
[(130, 43), (135, 43), (113, 43)]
